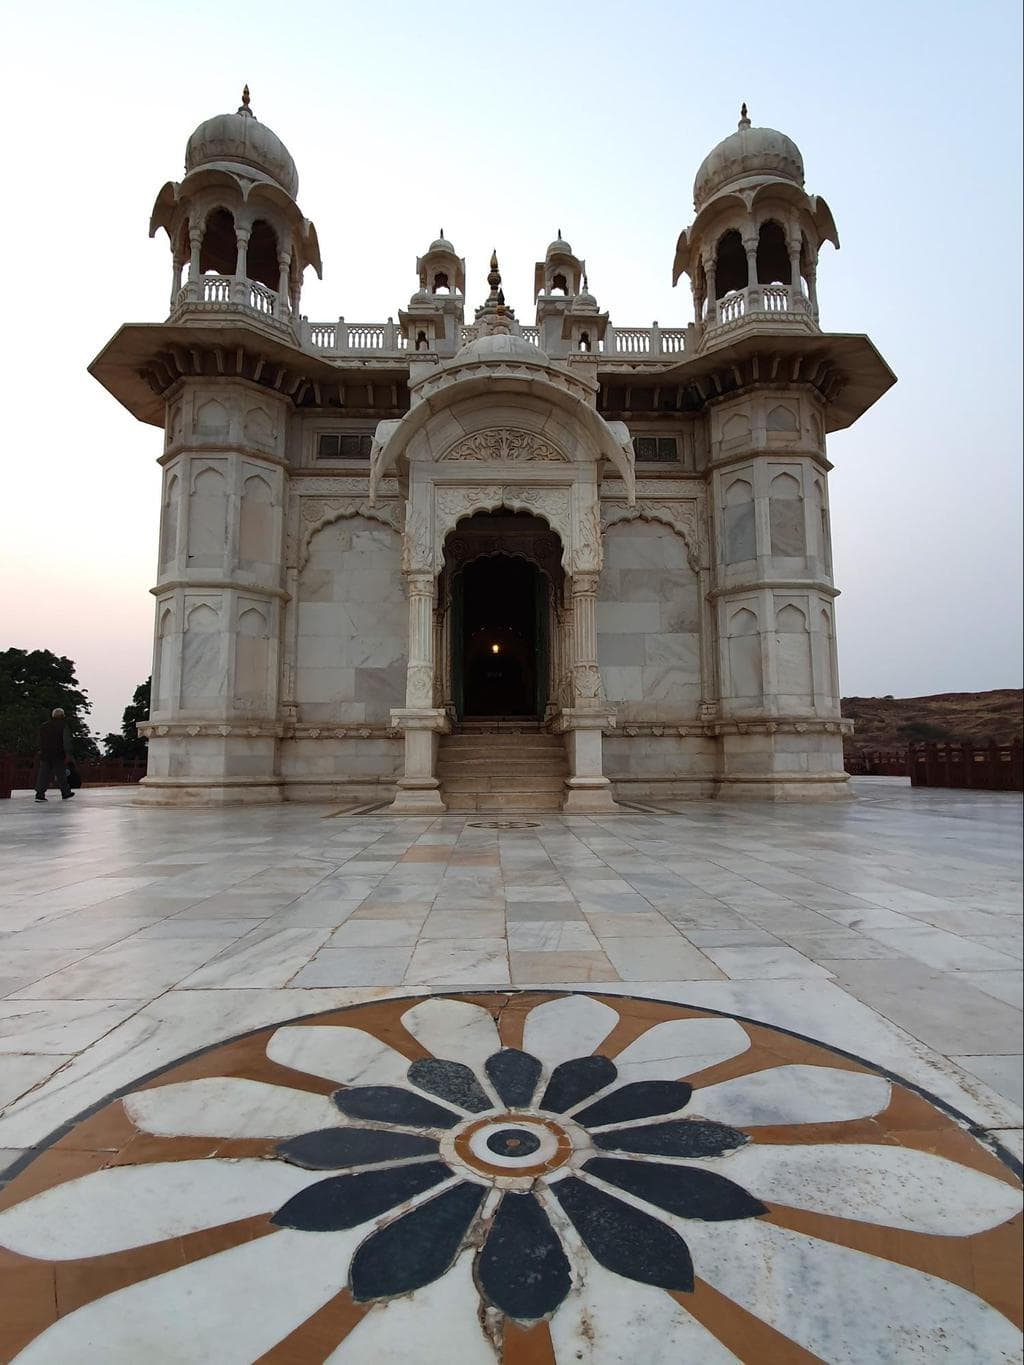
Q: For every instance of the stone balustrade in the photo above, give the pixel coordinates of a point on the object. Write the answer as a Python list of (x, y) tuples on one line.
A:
[(780, 302), (777, 302)]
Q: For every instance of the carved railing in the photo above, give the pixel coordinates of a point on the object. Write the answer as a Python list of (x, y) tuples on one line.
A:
[(775, 300), (217, 288), (386, 338), (262, 299)]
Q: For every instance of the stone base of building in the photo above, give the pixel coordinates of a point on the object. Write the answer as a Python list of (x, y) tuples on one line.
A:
[(786, 787), (586, 796), (185, 791)]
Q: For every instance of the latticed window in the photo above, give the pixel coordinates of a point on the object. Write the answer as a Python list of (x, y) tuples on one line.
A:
[(344, 445), (656, 448)]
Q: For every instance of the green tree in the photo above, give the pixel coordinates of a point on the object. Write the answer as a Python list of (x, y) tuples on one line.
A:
[(129, 743), (32, 683)]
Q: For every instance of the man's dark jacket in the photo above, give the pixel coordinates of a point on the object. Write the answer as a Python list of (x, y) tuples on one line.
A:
[(52, 737)]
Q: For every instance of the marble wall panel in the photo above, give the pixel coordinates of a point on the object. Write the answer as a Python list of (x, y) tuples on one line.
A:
[(352, 624), (648, 613)]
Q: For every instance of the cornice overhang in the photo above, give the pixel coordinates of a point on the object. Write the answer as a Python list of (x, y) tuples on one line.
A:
[(845, 368), (142, 361)]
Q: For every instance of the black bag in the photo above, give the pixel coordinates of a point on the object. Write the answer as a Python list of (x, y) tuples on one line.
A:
[(74, 776)]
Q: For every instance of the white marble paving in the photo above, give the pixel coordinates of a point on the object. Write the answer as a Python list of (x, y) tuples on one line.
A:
[(889, 926)]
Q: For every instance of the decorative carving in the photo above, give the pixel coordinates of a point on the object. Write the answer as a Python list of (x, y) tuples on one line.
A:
[(680, 516), (588, 547), (503, 443), (419, 685), (316, 513), (541, 548), (416, 537), (586, 679)]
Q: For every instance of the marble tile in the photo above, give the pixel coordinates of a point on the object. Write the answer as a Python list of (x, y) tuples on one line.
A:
[(376, 933), (467, 924), (456, 962), (549, 936), (370, 966), (936, 948), (1005, 986), (145, 969), (548, 968), (649, 959), (756, 962), (260, 959), (57, 1026), (634, 925), (542, 910), (943, 1012), (727, 938), (1004, 1073), (556, 891), (618, 903), (20, 1073), (839, 943)]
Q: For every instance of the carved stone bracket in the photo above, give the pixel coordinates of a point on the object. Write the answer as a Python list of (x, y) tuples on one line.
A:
[(316, 513), (681, 516)]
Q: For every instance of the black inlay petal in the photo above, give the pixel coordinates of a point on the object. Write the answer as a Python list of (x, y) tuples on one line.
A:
[(679, 1137), (522, 1269), (330, 1148), (686, 1190), (573, 1081), (346, 1200), (625, 1240), (514, 1075), (639, 1100), (391, 1104), (416, 1248), (451, 1081)]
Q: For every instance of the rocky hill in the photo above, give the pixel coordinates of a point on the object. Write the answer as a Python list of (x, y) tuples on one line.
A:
[(883, 723)]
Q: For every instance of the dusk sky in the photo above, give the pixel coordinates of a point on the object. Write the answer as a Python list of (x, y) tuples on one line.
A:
[(502, 124)]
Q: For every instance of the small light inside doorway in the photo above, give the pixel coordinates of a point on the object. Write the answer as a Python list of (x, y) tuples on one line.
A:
[(495, 649)]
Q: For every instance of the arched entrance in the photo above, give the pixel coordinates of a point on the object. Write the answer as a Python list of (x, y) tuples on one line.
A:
[(498, 594)]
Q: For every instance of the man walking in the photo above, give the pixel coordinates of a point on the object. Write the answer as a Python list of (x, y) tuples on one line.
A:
[(54, 755)]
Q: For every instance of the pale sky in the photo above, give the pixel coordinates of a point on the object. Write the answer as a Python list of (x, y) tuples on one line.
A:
[(502, 124)]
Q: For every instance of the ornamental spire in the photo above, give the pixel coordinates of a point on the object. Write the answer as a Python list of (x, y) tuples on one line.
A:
[(243, 108), (744, 120)]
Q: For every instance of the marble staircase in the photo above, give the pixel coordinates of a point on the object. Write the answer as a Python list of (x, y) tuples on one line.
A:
[(502, 765)]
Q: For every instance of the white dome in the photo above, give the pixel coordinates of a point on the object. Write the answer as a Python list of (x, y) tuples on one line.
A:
[(240, 142), (749, 153), (501, 346)]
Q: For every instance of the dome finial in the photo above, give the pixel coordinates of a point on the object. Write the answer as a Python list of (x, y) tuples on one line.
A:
[(494, 276), (744, 120), (243, 108)]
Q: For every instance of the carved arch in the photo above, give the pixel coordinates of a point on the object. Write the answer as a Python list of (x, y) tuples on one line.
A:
[(685, 529), (317, 513), (451, 505)]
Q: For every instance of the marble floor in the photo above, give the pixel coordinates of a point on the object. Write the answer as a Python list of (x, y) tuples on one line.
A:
[(884, 932)]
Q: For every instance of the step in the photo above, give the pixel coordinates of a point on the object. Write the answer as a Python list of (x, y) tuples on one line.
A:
[(498, 801), (488, 763), (504, 782)]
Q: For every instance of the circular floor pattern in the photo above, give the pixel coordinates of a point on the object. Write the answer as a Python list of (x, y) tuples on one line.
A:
[(536, 1178), (503, 824)]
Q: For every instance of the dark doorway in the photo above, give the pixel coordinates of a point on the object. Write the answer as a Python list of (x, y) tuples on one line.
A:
[(500, 601)]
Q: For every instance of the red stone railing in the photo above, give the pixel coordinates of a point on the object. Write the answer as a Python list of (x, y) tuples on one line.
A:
[(19, 774), (984, 767)]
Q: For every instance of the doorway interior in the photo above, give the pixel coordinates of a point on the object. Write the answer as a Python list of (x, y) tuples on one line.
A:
[(497, 645)]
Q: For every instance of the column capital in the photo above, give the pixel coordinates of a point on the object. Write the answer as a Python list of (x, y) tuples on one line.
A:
[(584, 583)]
